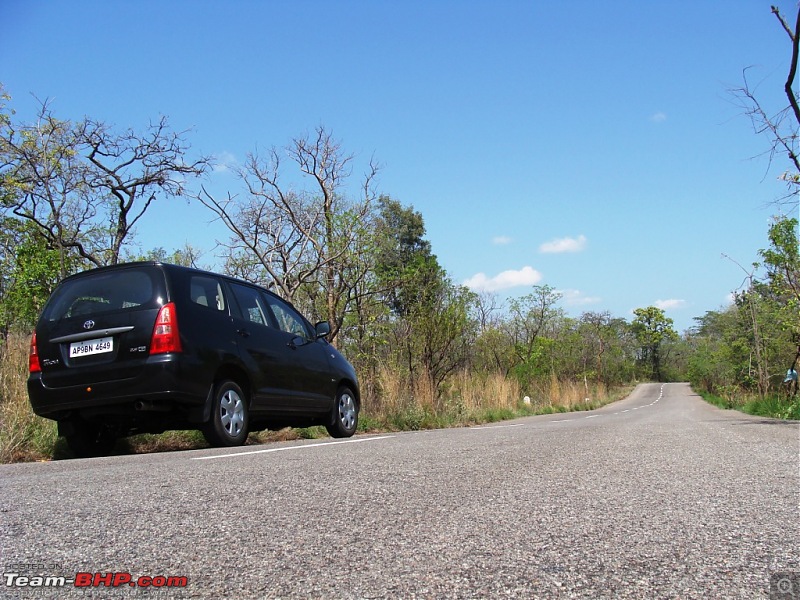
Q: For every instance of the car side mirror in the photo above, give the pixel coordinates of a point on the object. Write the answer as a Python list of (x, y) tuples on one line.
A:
[(322, 329), (297, 341)]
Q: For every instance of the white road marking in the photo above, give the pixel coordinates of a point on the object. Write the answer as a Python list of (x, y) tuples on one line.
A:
[(496, 426), (287, 448), (383, 437)]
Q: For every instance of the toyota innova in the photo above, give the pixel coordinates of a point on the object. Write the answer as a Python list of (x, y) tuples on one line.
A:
[(148, 347)]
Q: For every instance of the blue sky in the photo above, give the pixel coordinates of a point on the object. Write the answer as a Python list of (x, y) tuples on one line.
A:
[(590, 146)]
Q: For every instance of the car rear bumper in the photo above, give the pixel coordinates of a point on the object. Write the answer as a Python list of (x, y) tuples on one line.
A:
[(165, 384)]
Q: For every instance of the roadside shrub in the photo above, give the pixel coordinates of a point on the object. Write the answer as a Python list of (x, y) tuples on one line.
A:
[(23, 435)]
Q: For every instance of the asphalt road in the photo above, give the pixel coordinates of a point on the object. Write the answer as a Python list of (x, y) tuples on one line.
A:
[(657, 496)]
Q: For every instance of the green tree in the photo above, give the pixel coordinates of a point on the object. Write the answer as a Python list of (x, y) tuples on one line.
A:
[(720, 355), (427, 320), (531, 318), (603, 341), (29, 271), (782, 263), (188, 256), (652, 329), (442, 330), (768, 331), (404, 260)]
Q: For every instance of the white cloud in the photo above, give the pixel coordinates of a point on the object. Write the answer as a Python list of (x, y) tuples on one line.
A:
[(658, 117), (223, 162), (566, 244), (669, 304), (501, 240), (578, 298), (730, 299), (503, 281)]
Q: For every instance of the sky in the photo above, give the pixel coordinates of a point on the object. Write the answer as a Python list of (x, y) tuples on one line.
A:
[(594, 147)]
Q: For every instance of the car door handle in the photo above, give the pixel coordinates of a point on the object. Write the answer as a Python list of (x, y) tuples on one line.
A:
[(243, 332)]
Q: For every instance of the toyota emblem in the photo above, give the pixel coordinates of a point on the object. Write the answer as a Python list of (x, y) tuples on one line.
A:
[(88, 324)]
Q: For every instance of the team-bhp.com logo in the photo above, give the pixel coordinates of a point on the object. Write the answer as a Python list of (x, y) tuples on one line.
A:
[(89, 580)]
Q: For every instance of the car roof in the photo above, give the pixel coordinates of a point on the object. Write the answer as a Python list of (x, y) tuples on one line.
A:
[(165, 266)]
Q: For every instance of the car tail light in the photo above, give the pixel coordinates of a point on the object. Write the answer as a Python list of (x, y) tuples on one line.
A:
[(33, 357), (166, 337)]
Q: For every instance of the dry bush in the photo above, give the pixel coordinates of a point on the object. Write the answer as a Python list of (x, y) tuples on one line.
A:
[(485, 391), (23, 435), (397, 403), (425, 394), (567, 395), (470, 397), (392, 394), (463, 398)]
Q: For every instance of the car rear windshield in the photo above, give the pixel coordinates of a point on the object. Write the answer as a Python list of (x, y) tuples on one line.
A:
[(103, 292)]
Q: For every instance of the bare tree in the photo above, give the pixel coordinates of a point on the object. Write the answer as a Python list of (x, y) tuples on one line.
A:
[(488, 306), (595, 327), (290, 238), (46, 183), (131, 170), (84, 186), (781, 127)]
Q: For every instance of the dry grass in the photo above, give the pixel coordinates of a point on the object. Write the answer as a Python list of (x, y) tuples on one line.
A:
[(400, 403), (491, 391), (468, 398), (560, 395), (23, 435)]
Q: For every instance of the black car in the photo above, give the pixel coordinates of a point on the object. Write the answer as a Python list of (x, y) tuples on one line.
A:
[(147, 347)]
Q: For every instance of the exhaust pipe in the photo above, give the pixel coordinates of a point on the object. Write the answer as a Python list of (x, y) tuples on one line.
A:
[(147, 405)]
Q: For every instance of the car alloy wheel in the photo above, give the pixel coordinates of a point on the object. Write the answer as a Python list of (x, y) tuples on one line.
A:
[(345, 415), (347, 411)]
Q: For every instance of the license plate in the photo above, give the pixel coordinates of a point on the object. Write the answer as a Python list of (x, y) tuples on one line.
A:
[(89, 347)]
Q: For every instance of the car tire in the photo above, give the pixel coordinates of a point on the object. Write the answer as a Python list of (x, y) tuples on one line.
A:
[(87, 439), (229, 419), (344, 420)]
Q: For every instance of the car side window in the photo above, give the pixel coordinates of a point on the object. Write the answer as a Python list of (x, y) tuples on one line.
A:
[(207, 291), (289, 320), (251, 304)]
